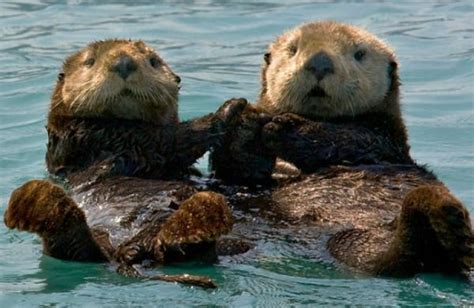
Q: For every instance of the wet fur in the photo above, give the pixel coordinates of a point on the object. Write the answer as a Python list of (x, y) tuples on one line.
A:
[(119, 147), (358, 187)]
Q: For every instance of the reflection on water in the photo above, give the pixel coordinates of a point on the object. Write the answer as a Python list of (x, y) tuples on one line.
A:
[(217, 47)]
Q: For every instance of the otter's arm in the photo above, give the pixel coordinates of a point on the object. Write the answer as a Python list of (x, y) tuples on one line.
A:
[(242, 158), (196, 137), (310, 145)]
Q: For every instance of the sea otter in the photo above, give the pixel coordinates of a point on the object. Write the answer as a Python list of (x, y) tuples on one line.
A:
[(329, 105), (114, 137)]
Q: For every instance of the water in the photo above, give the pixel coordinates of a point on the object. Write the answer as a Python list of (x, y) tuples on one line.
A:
[(217, 47)]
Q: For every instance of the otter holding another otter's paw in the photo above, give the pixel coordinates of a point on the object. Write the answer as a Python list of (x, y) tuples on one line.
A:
[(333, 90), (114, 135)]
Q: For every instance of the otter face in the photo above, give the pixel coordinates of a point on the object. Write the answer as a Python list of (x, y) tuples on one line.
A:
[(326, 70), (119, 79)]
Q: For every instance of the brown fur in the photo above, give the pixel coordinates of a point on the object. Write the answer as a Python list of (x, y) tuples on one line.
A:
[(88, 87), (364, 92), (113, 136), (359, 187)]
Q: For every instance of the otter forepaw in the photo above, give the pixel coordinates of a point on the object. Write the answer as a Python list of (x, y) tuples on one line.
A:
[(273, 136), (280, 126), (41, 207), (289, 120), (231, 110)]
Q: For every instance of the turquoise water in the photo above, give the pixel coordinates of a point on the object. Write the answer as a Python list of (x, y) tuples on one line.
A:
[(217, 47)]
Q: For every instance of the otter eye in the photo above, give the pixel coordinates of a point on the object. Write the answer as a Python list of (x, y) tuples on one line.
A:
[(292, 49), (61, 76), (359, 55), (155, 62), (89, 62)]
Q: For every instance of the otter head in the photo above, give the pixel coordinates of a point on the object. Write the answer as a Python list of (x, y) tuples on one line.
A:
[(328, 69), (117, 79)]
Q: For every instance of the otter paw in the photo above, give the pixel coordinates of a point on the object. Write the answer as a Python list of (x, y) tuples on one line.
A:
[(276, 133), (282, 124), (202, 218), (273, 136), (289, 120), (41, 207), (231, 110)]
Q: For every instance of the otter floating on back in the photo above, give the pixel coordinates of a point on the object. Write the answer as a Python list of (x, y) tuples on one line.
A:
[(114, 136), (329, 104)]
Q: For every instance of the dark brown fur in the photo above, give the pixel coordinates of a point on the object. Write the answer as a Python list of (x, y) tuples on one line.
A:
[(359, 187), (387, 122), (119, 208)]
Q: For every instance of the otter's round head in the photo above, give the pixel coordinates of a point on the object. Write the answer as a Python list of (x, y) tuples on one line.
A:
[(117, 79), (328, 69)]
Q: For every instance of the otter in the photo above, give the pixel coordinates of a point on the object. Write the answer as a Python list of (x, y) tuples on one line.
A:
[(329, 105), (116, 143)]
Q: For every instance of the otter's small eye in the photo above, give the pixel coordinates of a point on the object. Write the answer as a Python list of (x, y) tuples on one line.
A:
[(292, 50), (155, 62), (89, 62), (359, 55), (61, 76)]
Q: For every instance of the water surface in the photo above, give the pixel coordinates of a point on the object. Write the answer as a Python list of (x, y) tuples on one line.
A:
[(217, 47)]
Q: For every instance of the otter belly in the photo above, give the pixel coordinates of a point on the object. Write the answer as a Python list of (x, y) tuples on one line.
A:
[(362, 197), (123, 206), (359, 202)]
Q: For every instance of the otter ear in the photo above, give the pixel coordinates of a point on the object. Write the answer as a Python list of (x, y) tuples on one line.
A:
[(392, 71), (392, 67), (61, 76), (267, 57), (177, 78)]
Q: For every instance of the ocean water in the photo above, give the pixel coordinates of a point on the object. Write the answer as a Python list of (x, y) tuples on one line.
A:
[(217, 47)]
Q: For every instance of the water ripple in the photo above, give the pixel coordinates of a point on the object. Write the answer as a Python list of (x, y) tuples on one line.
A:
[(217, 46)]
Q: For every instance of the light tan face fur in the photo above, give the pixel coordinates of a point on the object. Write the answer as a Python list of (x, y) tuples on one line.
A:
[(90, 87), (354, 87)]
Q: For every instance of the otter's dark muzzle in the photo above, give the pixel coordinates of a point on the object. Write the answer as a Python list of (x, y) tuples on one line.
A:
[(124, 66), (320, 65)]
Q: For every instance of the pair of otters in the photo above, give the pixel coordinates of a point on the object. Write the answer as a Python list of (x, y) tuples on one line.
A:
[(329, 105)]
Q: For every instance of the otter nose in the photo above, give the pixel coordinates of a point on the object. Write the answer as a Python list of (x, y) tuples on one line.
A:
[(320, 65), (124, 66)]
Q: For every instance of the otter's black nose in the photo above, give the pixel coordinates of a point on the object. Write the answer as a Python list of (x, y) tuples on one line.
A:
[(320, 65), (124, 66)]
